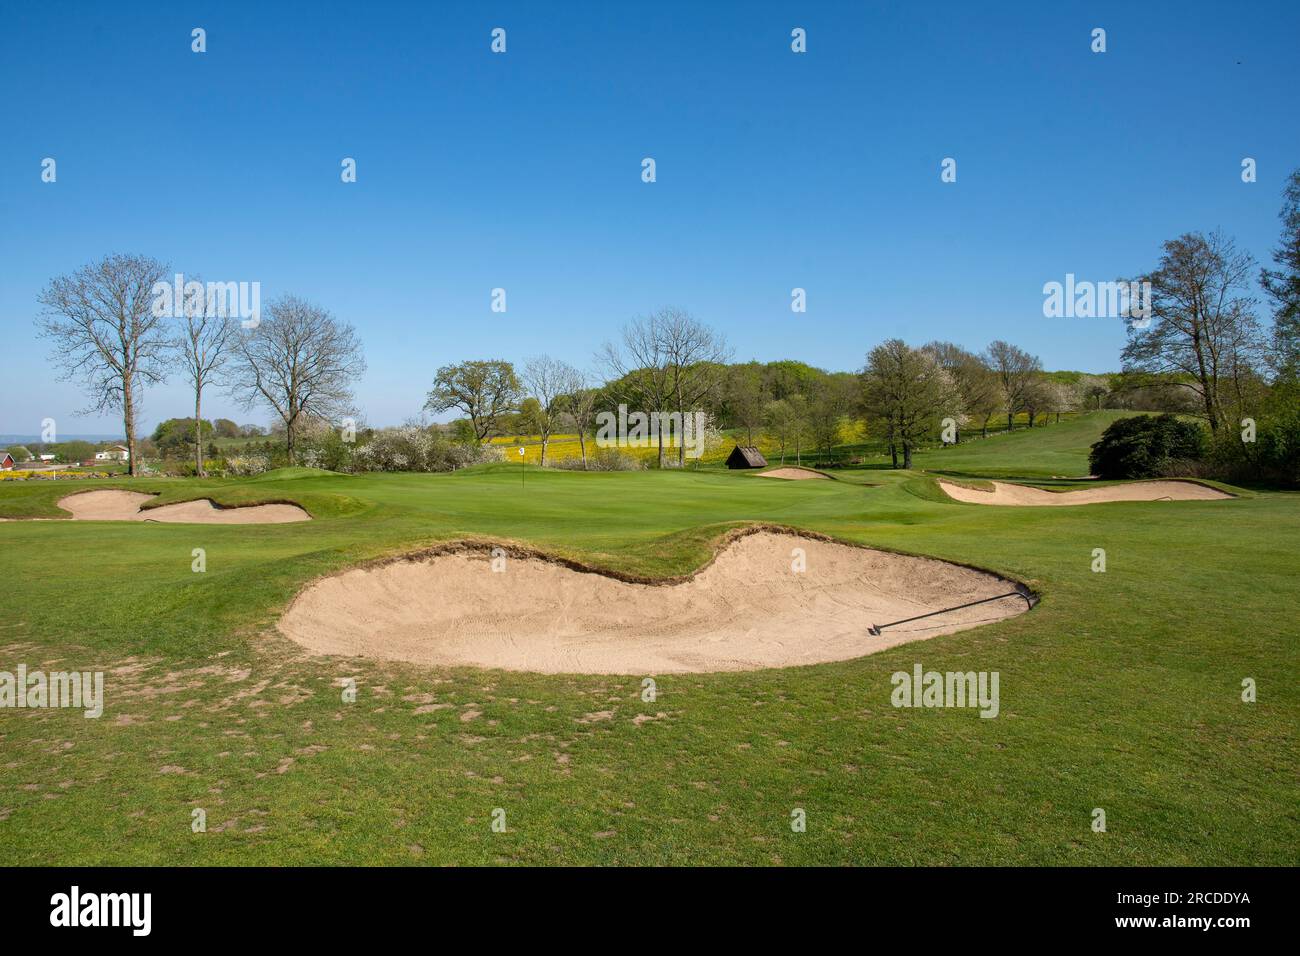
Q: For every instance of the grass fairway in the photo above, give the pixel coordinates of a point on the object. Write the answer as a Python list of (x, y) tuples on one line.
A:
[(1121, 690), (1051, 450)]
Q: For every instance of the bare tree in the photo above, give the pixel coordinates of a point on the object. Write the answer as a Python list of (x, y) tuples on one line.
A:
[(582, 409), (553, 383), (1016, 371), (107, 336), (639, 370), (204, 344), (483, 390), (695, 356), (300, 361), (1202, 326)]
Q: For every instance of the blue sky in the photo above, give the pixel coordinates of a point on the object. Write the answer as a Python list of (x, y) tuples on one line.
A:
[(522, 170)]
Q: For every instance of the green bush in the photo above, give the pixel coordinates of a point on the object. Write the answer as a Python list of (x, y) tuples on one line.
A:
[(1146, 446), (1274, 455)]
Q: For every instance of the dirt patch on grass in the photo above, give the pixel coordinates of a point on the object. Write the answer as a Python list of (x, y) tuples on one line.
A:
[(794, 474), (1022, 495), (112, 505), (748, 609)]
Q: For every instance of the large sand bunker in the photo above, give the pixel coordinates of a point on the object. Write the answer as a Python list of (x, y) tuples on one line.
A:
[(109, 505), (746, 610), (794, 474), (1009, 494)]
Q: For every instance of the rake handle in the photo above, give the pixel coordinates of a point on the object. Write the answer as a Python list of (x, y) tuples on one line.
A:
[(907, 620)]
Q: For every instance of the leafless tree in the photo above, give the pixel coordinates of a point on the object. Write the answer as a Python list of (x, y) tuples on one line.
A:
[(107, 336), (553, 383), (204, 344), (695, 357), (1202, 326), (582, 409), (1016, 372), (300, 361), (639, 370)]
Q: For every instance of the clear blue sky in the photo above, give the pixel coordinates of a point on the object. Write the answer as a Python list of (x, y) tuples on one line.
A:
[(522, 170)]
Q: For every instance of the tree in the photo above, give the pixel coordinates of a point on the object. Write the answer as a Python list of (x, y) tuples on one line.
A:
[(1144, 446), (178, 436), (225, 428), (1283, 284), (639, 370), (746, 399), (19, 452), (908, 391), (1038, 397), (1093, 391), (76, 450), (299, 361), (204, 345), (483, 390), (1016, 371), (552, 383), (779, 416), (695, 355), (976, 384), (1202, 327), (107, 336), (832, 400), (1062, 396), (582, 410)]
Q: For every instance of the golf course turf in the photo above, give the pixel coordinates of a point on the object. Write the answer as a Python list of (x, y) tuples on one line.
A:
[(1122, 690)]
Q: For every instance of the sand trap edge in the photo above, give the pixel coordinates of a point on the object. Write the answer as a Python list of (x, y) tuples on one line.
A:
[(154, 503), (1085, 484), (769, 472), (516, 549)]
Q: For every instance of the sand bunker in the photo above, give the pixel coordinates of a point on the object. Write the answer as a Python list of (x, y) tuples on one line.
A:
[(1009, 494), (746, 610), (794, 474), (109, 505)]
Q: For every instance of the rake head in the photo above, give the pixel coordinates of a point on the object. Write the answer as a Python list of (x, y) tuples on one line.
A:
[(874, 630)]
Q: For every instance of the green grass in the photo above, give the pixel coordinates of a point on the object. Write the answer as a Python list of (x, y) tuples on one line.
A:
[(1059, 449), (1121, 690)]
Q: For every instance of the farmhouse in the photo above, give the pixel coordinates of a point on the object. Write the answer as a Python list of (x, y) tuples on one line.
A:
[(114, 453), (746, 456)]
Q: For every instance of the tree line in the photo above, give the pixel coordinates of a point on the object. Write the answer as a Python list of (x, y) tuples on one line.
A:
[(294, 359), (1202, 350)]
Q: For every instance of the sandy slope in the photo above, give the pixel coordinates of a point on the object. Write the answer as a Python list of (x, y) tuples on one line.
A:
[(793, 474), (746, 610), (1009, 494), (111, 505)]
